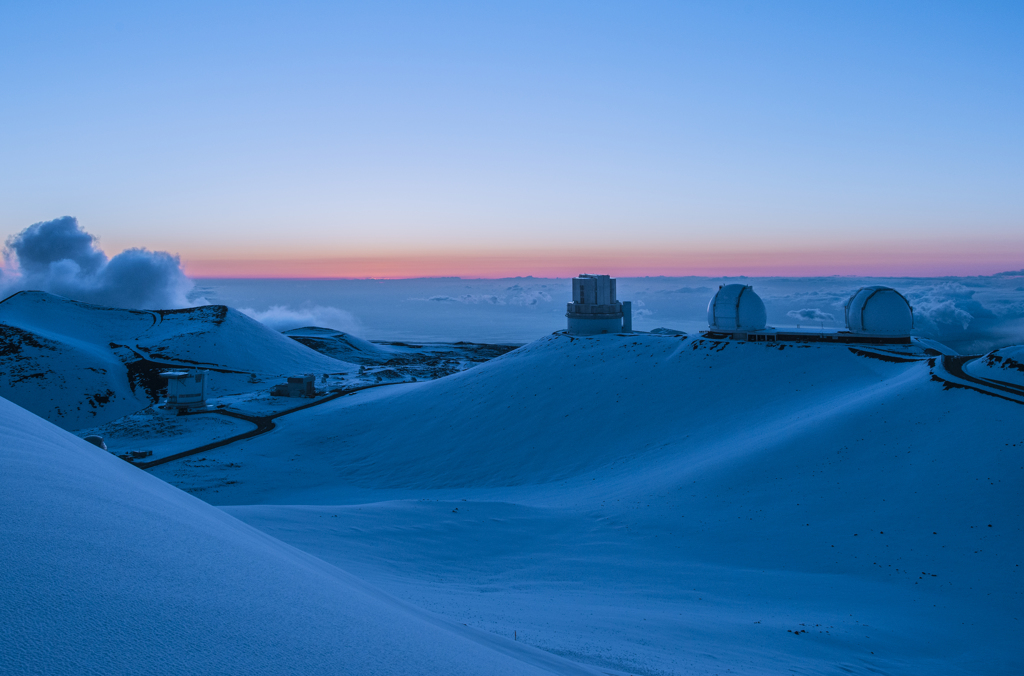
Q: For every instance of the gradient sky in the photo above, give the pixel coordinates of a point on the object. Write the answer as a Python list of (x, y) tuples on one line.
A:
[(398, 139)]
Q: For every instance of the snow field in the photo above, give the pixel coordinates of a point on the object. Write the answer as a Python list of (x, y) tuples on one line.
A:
[(164, 434), (107, 570), (658, 504)]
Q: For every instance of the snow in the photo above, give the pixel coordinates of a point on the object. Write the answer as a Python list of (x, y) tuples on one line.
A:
[(64, 379), (635, 504), (655, 503), (1006, 364), (342, 345), (162, 434), (105, 569), (80, 365), (83, 366)]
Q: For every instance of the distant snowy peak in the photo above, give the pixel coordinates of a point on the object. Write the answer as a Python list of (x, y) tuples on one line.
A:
[(214, 336), (339, 344), (46, 313), (222, 337), (313, 331)]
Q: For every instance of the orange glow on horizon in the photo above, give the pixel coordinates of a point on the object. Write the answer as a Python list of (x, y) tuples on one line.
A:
[(891, 263)]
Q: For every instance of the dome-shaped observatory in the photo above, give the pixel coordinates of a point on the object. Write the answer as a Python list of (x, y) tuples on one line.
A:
[(879, 310), (736, 308)]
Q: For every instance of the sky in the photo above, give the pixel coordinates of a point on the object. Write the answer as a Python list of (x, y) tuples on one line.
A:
[(478, 139)]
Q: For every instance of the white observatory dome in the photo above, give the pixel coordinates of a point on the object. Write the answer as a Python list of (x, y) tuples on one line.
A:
[(736, 307), (879, 310)]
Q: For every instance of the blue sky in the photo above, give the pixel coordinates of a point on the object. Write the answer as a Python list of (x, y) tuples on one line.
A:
[(421, 136)]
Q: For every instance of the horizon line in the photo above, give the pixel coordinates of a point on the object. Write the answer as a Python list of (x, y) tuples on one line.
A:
[(510, 266), (1006, 273)]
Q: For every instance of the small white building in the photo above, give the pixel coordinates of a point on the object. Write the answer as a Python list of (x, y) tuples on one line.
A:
[(879, 311), (186, 389), (594, 308)]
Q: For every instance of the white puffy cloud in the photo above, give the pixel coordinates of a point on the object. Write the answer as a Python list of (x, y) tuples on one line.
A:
[(283, 318), (951, 313), (60, 257)]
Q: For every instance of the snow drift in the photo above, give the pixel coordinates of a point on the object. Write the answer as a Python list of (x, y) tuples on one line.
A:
[(105, 569)]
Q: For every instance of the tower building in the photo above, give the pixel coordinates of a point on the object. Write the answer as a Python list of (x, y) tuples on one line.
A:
[(594, 308)]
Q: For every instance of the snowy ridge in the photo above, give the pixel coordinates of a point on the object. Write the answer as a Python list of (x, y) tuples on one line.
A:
[(1006, 364), (65, 380), (664, 504), (107, 570), (78, 364), (564, 405)]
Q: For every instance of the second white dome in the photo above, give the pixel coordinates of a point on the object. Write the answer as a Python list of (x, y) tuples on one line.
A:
[(736, 308), (879, 310)]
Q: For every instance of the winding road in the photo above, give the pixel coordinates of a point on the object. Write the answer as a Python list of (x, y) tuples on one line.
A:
[(264, 423), (954, 366)]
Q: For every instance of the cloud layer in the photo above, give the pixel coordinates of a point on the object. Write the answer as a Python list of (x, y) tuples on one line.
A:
[(283, 318), (513, 295), (60, 257), (811, 315), (952, 313)]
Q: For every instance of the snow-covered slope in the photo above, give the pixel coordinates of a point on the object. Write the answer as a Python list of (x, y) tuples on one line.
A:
[(70, 381), (563, 406), (77, 364), (1006, 364), (662, 504), (106, 570), (398, 361)]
